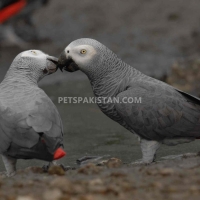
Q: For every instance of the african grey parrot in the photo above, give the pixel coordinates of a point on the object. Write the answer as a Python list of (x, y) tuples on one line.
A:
[(30, 125), (164, 114)]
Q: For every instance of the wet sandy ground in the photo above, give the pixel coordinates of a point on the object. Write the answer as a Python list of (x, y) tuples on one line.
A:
[(170, 179), (150, 35)]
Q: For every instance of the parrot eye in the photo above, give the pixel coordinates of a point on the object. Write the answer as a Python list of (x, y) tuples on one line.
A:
[(33, 52), (83, 51)]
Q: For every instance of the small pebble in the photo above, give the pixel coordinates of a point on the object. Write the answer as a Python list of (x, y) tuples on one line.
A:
[(89, 169), (58, 170), (62, 183), (54, 194), (166, 171), (25, 198), (114, 163)]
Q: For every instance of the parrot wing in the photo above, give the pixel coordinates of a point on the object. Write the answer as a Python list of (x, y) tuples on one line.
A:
[(25, 130), (162, 112)]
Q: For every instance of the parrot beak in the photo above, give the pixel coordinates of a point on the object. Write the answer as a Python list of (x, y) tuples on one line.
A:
[(52, 63), (67, 63), (59, 153)]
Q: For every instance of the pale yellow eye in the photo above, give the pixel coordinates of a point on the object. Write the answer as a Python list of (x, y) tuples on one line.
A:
[(34, 52), (83, 51)]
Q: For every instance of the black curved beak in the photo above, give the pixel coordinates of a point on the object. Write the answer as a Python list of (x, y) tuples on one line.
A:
[(66, 62)]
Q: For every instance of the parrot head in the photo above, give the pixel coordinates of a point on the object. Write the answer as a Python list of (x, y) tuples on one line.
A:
[(76, 57), (34, 63), (89, 56)]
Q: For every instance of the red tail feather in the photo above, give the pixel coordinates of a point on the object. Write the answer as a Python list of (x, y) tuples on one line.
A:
[(59, 153), (11, 10)]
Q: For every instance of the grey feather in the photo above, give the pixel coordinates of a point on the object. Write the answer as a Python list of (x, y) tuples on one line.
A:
[(165, 112), (26, 112)]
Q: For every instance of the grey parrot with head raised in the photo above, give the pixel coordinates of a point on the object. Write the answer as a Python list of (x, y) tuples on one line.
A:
[(30, 125), (157, 112)]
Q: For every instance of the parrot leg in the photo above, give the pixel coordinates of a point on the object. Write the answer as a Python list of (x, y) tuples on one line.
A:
[(10, 165), (149, 148), (46, 167), (12, 38)]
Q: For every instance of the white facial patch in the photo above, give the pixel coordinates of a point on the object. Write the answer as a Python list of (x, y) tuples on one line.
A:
[(81, 54), (33, 53), (90, 50)]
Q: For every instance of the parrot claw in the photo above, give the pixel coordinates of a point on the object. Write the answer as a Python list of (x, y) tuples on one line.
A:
[(63, 167), (140, 162), (5, 174), (46, 167)]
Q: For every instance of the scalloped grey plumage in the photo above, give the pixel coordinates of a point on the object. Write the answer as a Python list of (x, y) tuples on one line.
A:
[(26, 114), (166, 114)]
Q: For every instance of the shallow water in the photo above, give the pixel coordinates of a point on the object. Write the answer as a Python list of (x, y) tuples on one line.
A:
[(89, 132)]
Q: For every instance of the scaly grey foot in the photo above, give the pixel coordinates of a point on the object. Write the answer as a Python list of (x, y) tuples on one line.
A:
[(54, 163), (10, 165), (149, 148)]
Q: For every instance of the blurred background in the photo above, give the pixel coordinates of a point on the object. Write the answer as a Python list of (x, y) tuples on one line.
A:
[(160, 38)]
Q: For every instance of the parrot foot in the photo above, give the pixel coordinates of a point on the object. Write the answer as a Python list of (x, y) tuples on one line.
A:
[(149, 148), (140, 162), (10, 165), (54, 163), (5, 174), (46, 167)]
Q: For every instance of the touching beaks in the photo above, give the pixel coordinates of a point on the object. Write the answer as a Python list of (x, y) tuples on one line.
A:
[(67, 63), (62, 61)]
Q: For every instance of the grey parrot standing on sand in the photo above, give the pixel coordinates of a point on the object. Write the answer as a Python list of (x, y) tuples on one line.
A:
[(30, 125), (164, 114)]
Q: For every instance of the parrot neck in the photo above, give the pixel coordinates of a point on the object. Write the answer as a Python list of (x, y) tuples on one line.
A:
[(26, 78), (112, 80)]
